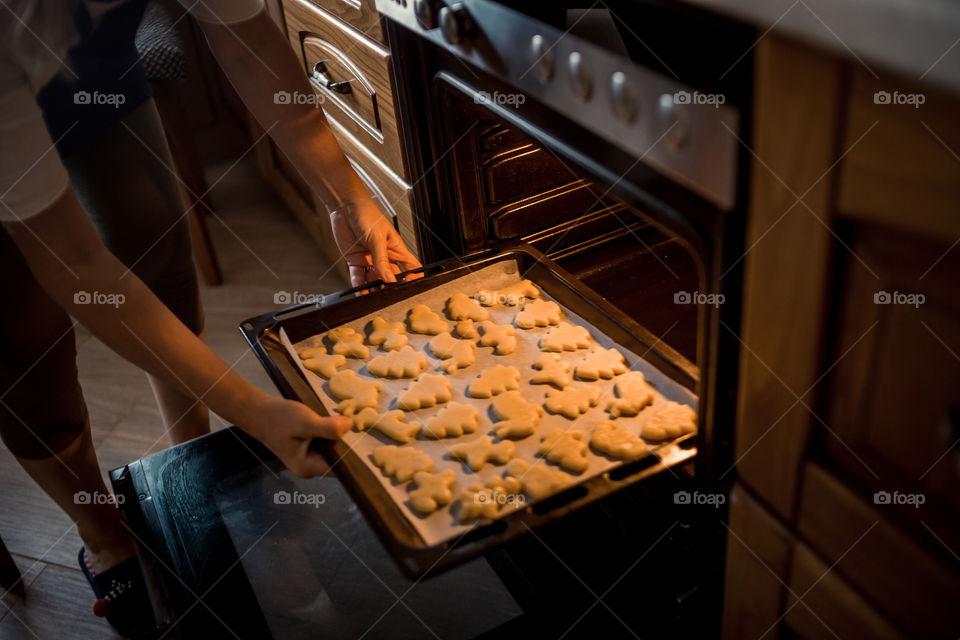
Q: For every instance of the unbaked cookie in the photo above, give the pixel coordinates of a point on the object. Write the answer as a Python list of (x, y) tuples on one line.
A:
[(565, 448), (324, 364), (478, 452), (565, 337), (512, 296), (428, 390), (601, 363), (495, 380), (552, 370), (405, 363), (354, 392), (462, 307), (421, 319), (393, 424), (347, 342), (617, 442), (454, 420), (401, 462), (391, 335), (364, 419), (517, 417), (433, 490), (456, 354), (633, 394), (538, 313), (502, 336), (672, 420), (487, 500), (539, 481), (572, 401), (467, 329)]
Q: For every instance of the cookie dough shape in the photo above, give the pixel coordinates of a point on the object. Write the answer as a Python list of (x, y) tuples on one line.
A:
[(538, 313), (512, 296), (401, 463), (347, 342), (517, 417), (552, 369), (394, 425), (565, 337), (538, 480), (617, 442), (433, 490), (565, 448), (354, 392), (405, 363), (494, 381), (389, 335), (467, 329), (364, 419), (601, 363), (487, 500), (672, 420), (428, 390), (325, 364), (572, 401), (633, 394), (453, 421), (478, 452), (501, 336), (421, 319), (456, 354), (462, 307)]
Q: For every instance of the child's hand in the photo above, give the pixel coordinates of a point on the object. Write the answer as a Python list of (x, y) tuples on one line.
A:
[(370, 245)]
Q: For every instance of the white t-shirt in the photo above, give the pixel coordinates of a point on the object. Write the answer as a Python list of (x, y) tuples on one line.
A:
[(31, 174)]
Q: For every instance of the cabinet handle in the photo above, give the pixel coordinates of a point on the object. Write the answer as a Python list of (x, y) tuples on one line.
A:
[(320, 76)]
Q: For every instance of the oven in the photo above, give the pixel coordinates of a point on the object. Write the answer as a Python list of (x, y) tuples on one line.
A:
[(612, 139)]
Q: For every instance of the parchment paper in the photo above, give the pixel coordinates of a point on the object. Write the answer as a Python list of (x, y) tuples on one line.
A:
[(442, 524)]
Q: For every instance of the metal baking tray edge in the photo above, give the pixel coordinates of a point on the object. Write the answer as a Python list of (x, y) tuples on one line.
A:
[(415, 559)]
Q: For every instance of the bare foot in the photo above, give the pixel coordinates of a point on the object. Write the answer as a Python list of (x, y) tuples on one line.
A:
[(109, 555)]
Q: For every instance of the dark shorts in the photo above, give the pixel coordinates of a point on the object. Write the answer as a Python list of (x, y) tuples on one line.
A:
[(125, 182)]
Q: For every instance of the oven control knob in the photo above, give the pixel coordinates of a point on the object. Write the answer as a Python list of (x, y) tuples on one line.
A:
[(580, 77), (427, 13), (674, 121), (541, 58), (625, 105), (456, 23)]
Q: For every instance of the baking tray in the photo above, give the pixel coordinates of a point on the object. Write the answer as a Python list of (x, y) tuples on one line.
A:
[(416, 558)]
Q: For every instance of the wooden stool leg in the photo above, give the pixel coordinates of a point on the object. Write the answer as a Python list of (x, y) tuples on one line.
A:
[(9, 573), (191, 172)]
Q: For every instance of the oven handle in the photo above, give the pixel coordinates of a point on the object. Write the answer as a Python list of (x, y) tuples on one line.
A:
[(321, 76)]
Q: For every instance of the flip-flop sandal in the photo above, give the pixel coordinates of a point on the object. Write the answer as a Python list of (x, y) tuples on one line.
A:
[(121, 597)]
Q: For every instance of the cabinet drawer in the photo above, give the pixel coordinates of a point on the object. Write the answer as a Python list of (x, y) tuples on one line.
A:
[(901, 168), (907, 578), (820, 604), (392, 194), (360, 67), (362, 15)]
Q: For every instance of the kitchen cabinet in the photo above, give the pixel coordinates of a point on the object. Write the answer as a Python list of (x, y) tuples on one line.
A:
[(847, 418)]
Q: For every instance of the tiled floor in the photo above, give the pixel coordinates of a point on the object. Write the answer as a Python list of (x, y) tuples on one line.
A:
[(262, 249)]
